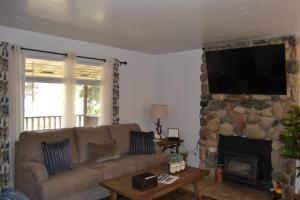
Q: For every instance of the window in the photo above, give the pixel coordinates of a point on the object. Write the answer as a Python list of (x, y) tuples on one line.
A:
[(44, 93), (88, 80)]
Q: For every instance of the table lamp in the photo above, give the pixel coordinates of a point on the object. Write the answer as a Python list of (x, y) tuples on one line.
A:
[(159, 112)]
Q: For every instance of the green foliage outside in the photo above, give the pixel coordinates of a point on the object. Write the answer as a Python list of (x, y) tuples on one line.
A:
[(93, 98), (290, 137)]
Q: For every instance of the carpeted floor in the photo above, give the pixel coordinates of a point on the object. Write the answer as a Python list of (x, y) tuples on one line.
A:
[(180, 194)]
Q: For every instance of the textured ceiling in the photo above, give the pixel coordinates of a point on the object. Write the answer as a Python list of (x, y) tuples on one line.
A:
[(154, 26)]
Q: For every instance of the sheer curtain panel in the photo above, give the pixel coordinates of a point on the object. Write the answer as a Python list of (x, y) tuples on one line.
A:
[(106, 94), (16, 77), (109, 92), (70, 83)]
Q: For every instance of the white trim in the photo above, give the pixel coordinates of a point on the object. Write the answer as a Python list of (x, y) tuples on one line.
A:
[(60, 80)]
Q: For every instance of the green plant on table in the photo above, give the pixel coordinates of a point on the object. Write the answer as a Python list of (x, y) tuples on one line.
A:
[(184, 155), (290, 137), (172, 157)]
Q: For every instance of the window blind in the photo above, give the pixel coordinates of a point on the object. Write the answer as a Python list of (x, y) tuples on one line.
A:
[(48, 70), (89, 74), (44, 70)]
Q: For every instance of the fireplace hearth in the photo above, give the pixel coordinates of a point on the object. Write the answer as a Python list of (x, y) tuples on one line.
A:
[(246, 161)]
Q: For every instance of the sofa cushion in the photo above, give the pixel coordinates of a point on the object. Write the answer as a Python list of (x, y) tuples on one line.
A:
[(57, 156), (85, 135), (115, 168), (121, 134), (141, 143), (148, 161), (104, 152), (68, 183), (30, 143)]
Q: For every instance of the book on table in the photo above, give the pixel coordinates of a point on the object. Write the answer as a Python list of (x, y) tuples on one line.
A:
[(167, 179)]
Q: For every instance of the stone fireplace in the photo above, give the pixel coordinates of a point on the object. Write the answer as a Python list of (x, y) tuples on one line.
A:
[(251, 116)]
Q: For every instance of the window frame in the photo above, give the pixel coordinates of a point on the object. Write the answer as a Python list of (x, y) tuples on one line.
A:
[(59, 58)]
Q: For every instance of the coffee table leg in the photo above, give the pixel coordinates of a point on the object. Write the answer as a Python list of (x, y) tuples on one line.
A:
[(198, 196), (113, 195)]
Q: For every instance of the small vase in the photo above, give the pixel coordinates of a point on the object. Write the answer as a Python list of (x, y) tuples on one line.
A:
[(178, 167), (182, 165), (172, 168)]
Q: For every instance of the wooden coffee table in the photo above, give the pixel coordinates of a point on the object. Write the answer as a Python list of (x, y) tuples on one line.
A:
[(122, 185)]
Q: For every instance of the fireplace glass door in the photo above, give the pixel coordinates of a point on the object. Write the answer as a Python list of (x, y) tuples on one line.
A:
[(241, 167)]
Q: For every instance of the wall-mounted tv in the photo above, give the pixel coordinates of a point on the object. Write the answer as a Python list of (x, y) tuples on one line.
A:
[(251, 70)]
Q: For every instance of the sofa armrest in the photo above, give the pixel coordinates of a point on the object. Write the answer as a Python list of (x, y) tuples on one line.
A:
[(36, 169)]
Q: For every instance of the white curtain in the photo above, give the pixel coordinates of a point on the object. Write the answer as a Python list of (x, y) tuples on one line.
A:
[(106, 94), (70, 86), (16, 79)]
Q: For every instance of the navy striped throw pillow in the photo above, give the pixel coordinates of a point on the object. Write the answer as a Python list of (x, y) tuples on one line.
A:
[(141, 143), (57, 156), (11, 194)]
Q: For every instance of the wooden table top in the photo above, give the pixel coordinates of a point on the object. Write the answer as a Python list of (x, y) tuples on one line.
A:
[(122, 185), (166, 142)]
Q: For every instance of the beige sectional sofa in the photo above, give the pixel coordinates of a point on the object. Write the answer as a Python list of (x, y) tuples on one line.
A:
[(81, 182)]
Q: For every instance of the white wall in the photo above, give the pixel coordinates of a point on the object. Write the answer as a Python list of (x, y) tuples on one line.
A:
[(178, 86), (172, 79), (137, 88)]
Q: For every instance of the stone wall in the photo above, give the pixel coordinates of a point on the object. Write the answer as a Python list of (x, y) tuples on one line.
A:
[(252, 116)]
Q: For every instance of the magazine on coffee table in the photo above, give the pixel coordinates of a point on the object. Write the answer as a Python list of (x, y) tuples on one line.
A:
[(167, 179)]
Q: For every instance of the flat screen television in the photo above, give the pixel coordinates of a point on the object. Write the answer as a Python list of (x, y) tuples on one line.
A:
[(251, 70)]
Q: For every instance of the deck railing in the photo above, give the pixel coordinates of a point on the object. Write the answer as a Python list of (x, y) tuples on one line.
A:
[(55, 122), (86, 121)]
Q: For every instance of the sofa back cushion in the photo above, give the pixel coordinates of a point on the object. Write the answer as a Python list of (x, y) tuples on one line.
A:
[(30, 143), (86, 135), (121, 134), (104, 152)]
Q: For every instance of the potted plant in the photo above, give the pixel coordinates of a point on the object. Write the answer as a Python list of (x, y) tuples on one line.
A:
[(184, 155), (290, 137)]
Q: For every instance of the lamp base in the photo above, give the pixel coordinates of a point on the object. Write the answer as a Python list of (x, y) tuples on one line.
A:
[(157, 136), (158, 128)]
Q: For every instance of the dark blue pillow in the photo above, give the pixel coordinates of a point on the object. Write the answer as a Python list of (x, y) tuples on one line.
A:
[(11, 194), (57, 156), (141, 143)]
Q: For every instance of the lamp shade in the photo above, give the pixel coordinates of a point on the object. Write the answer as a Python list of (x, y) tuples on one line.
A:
[(159, 111)]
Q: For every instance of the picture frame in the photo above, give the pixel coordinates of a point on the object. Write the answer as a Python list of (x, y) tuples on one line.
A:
[(173, 133)]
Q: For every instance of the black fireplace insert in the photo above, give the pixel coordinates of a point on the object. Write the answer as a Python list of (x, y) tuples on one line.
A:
[(246, 161)]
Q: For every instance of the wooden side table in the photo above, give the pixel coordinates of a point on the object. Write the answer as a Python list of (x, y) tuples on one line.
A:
[(169, 144)]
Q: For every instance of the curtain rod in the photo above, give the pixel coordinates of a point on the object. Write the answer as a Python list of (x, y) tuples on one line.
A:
[(64, 54)]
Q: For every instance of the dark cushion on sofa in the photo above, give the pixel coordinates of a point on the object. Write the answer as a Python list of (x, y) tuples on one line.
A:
[(141, 143), (57, 156)]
